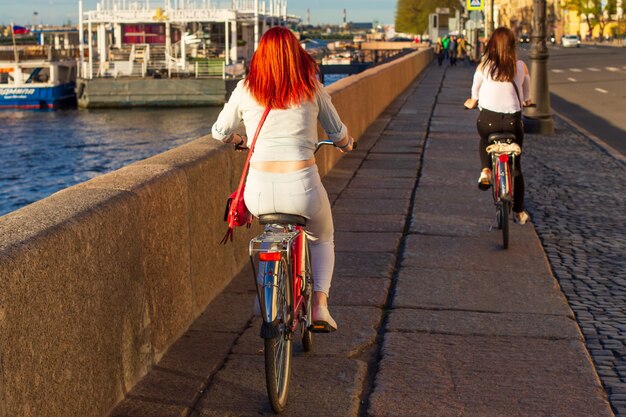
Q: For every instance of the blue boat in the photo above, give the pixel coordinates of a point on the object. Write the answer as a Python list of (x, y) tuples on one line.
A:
[(37, 84)]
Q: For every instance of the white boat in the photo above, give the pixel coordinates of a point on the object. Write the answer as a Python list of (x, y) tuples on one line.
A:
[(337, 59), (37, 84), (170, 52)]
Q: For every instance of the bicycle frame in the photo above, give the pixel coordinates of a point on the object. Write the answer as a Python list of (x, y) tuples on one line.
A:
[(502, 178)]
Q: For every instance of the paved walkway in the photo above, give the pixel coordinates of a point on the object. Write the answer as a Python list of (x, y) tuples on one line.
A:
[(435, 318)]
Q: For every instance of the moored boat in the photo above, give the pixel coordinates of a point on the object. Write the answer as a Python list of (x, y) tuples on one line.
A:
[(37, 84)]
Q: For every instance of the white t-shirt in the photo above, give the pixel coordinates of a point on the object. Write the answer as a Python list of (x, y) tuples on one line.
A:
[(287, 135), (500, 96)]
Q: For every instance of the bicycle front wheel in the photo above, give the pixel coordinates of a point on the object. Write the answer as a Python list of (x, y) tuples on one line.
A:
[(505, 210), (278, 349)]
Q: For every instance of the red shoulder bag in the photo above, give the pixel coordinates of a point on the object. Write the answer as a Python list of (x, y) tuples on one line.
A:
[(236, 213)]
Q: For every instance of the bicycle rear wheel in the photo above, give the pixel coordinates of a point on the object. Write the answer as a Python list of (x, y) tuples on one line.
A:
[(278, 349), (505, 210), (307, 335)]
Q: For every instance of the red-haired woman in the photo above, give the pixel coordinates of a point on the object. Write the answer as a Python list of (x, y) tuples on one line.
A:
[(283, 177), (501, 88)]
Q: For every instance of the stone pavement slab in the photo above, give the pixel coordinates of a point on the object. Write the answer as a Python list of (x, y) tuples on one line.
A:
[(480, 290), (358, 326), (367, 242), (364, 264), (360, 291), (447, 375), (468, 202), (368, 182), (396, 172), (372, 207), (476, 253), (375, 193), (345, 222), (323, 387), (443, 224), (474, 323), (139, 408)]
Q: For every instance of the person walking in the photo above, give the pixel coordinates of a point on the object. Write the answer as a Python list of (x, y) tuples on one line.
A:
[(501, 87), (461, 49), (445, 42), (283, 176), (439, 51), (452, 50)]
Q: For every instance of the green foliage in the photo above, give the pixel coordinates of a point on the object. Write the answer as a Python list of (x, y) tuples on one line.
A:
[(412, 15), (593, 12)]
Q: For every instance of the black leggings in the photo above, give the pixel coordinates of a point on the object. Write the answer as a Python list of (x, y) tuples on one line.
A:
[(491, 122)]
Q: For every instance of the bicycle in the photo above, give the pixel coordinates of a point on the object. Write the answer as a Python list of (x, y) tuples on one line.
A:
[(503, 151), (281, 265)]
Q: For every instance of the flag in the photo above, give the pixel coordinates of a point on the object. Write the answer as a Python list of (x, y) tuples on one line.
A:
[(19, 30)]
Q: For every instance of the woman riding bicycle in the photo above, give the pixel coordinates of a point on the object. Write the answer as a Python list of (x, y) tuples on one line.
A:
[(502, 87), (283, 176)]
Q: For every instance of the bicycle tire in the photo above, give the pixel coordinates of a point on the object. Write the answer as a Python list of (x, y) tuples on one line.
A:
[(307, 335), (278, 350), (505, 210)]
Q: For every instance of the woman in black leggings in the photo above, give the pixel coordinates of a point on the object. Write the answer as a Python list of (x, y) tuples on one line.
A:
[(502, 87)]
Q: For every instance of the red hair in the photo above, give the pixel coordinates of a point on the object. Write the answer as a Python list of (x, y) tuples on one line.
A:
[(281, 72)]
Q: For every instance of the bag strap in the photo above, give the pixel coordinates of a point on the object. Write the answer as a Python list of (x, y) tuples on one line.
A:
[(234, 204), (247, 164), (521, 105)]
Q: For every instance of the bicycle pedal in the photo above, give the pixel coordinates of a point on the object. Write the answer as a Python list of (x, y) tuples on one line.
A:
[(321, 327)]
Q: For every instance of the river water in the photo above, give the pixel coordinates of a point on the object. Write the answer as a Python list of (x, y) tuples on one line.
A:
[(42, 152)]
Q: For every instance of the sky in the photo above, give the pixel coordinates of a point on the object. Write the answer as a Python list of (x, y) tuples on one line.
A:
[(322, 11)]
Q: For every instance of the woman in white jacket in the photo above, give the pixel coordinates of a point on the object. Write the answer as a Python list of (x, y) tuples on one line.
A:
[(501, 89), (283, 177)]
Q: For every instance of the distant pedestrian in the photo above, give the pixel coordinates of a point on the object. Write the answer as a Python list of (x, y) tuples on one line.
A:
[(452, 45), (501, 88), (445, 42), (439, 51), (461, 49)]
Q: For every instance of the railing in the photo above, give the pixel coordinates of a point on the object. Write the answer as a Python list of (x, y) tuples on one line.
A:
[(209, 68), (220, 10)]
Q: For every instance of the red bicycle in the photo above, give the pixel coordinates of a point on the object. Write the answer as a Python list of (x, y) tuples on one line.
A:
[(281, 265), (503, 151)]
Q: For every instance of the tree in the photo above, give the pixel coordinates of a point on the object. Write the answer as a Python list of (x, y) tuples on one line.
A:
[(595, 12), (412, 15)]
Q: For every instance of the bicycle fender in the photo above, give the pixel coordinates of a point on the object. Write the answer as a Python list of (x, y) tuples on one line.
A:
[(269, 330)]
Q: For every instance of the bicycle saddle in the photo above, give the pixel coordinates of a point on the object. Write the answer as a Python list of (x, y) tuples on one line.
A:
[(281, 218), (502, 137)]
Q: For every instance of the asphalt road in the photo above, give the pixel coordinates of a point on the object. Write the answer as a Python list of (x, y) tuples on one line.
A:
[(588, 85)]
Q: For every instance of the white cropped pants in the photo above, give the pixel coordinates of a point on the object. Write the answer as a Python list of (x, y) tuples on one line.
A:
[(302, 193)]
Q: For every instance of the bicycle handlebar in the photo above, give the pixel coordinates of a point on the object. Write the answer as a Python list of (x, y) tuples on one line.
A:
[(330, 142)]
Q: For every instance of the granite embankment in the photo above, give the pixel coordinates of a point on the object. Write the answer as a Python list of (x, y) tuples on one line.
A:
[(98, 280)]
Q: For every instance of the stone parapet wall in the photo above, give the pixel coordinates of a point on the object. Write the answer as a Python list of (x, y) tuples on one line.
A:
[(98, 280)]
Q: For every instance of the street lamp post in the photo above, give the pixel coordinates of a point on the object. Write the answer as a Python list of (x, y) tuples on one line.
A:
[(539, 118)]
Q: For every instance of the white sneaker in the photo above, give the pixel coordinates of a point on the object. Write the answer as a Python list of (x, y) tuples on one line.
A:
[(484, 181), (521, 218), (323, 322)]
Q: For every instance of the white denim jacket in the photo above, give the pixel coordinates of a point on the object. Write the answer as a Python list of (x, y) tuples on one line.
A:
[(287, 135)]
